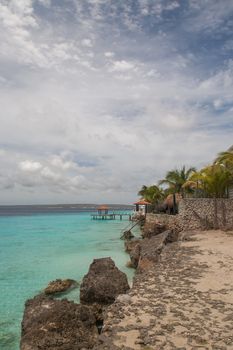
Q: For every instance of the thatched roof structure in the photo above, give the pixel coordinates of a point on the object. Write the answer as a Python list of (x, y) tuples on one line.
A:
[(142, 202)]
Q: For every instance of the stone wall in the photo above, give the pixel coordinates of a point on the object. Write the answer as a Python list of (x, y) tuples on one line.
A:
[(204, 213), (196, 214), (164, 219)]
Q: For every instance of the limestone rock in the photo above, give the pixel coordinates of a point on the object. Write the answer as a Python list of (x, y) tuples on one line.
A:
[(173, 235), (150, 249), (135, 255), (130, 245), (60, 286), (57, 324), (144, 253), (153, 229), (103, 283), (124, 298)]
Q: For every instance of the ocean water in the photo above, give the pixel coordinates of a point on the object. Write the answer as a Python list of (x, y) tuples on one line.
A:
[(38, 248)]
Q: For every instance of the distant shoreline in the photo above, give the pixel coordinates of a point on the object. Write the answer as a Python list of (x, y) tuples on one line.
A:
[(78, 205), (9, 210)]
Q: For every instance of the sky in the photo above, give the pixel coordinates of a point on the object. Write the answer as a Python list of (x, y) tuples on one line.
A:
[(100, 97)]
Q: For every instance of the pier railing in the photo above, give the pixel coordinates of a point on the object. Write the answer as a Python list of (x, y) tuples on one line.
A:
[(112, 216)]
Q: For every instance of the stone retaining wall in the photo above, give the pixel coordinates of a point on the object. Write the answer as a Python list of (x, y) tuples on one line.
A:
[(164, 219), (206, 213), (196, 214)]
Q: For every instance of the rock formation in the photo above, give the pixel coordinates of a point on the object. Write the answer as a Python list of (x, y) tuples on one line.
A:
[(145, 252), (135, 255), (129, 245), (103, 283), (153, 229), (60, 286), (57, 324)]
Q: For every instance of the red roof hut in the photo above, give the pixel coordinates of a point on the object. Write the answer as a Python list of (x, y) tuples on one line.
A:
[(142, 206), (103, 209)]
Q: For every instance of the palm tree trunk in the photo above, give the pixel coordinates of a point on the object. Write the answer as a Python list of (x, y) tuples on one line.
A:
[(174, 204)]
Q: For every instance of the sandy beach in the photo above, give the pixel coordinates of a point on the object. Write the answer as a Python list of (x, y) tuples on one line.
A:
[(185, 301)]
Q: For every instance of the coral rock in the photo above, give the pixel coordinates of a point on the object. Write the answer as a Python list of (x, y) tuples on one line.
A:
[(60, 286), (57, 324), (103, 283)]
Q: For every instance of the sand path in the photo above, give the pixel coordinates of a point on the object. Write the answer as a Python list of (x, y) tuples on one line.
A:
[(184, 302)]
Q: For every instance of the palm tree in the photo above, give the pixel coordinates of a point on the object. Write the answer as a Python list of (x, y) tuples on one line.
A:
[(142, 191), (175, 179), (152, 194), (226, 158), (194, 183), (212, 181)]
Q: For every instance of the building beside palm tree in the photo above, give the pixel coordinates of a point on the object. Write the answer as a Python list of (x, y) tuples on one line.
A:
[(206, 193), (142, 206)]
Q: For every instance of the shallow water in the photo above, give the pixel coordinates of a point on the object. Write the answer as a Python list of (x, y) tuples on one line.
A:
[(39, 248)]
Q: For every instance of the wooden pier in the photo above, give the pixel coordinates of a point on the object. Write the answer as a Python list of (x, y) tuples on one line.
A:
[(110, 216)]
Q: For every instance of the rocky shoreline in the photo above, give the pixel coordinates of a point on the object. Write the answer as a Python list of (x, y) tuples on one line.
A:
[(184, 301), (162, 310), (61, 324)]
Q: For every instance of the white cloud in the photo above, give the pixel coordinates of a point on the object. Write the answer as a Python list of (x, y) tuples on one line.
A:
[(122, 66), (217, 103), (16, 20), (30, 166), (153, 73), (176, 122), (2, 153), (210, 15), (46, 3), (48, 174), (87, 43), (51, 174), (109, 54), (172, 5), (96, 104), (17, 15), (219, 86), (61, 51), (60, 163)]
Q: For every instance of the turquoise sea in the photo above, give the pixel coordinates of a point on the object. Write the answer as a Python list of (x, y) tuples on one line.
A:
[(40, 247)]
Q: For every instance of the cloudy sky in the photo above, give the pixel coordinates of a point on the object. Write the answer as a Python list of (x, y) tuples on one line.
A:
[(101, 96)]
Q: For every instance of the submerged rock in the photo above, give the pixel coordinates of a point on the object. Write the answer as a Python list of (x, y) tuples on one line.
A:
[(127, 235), (60, 286), (103, 283), (57, 324)]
